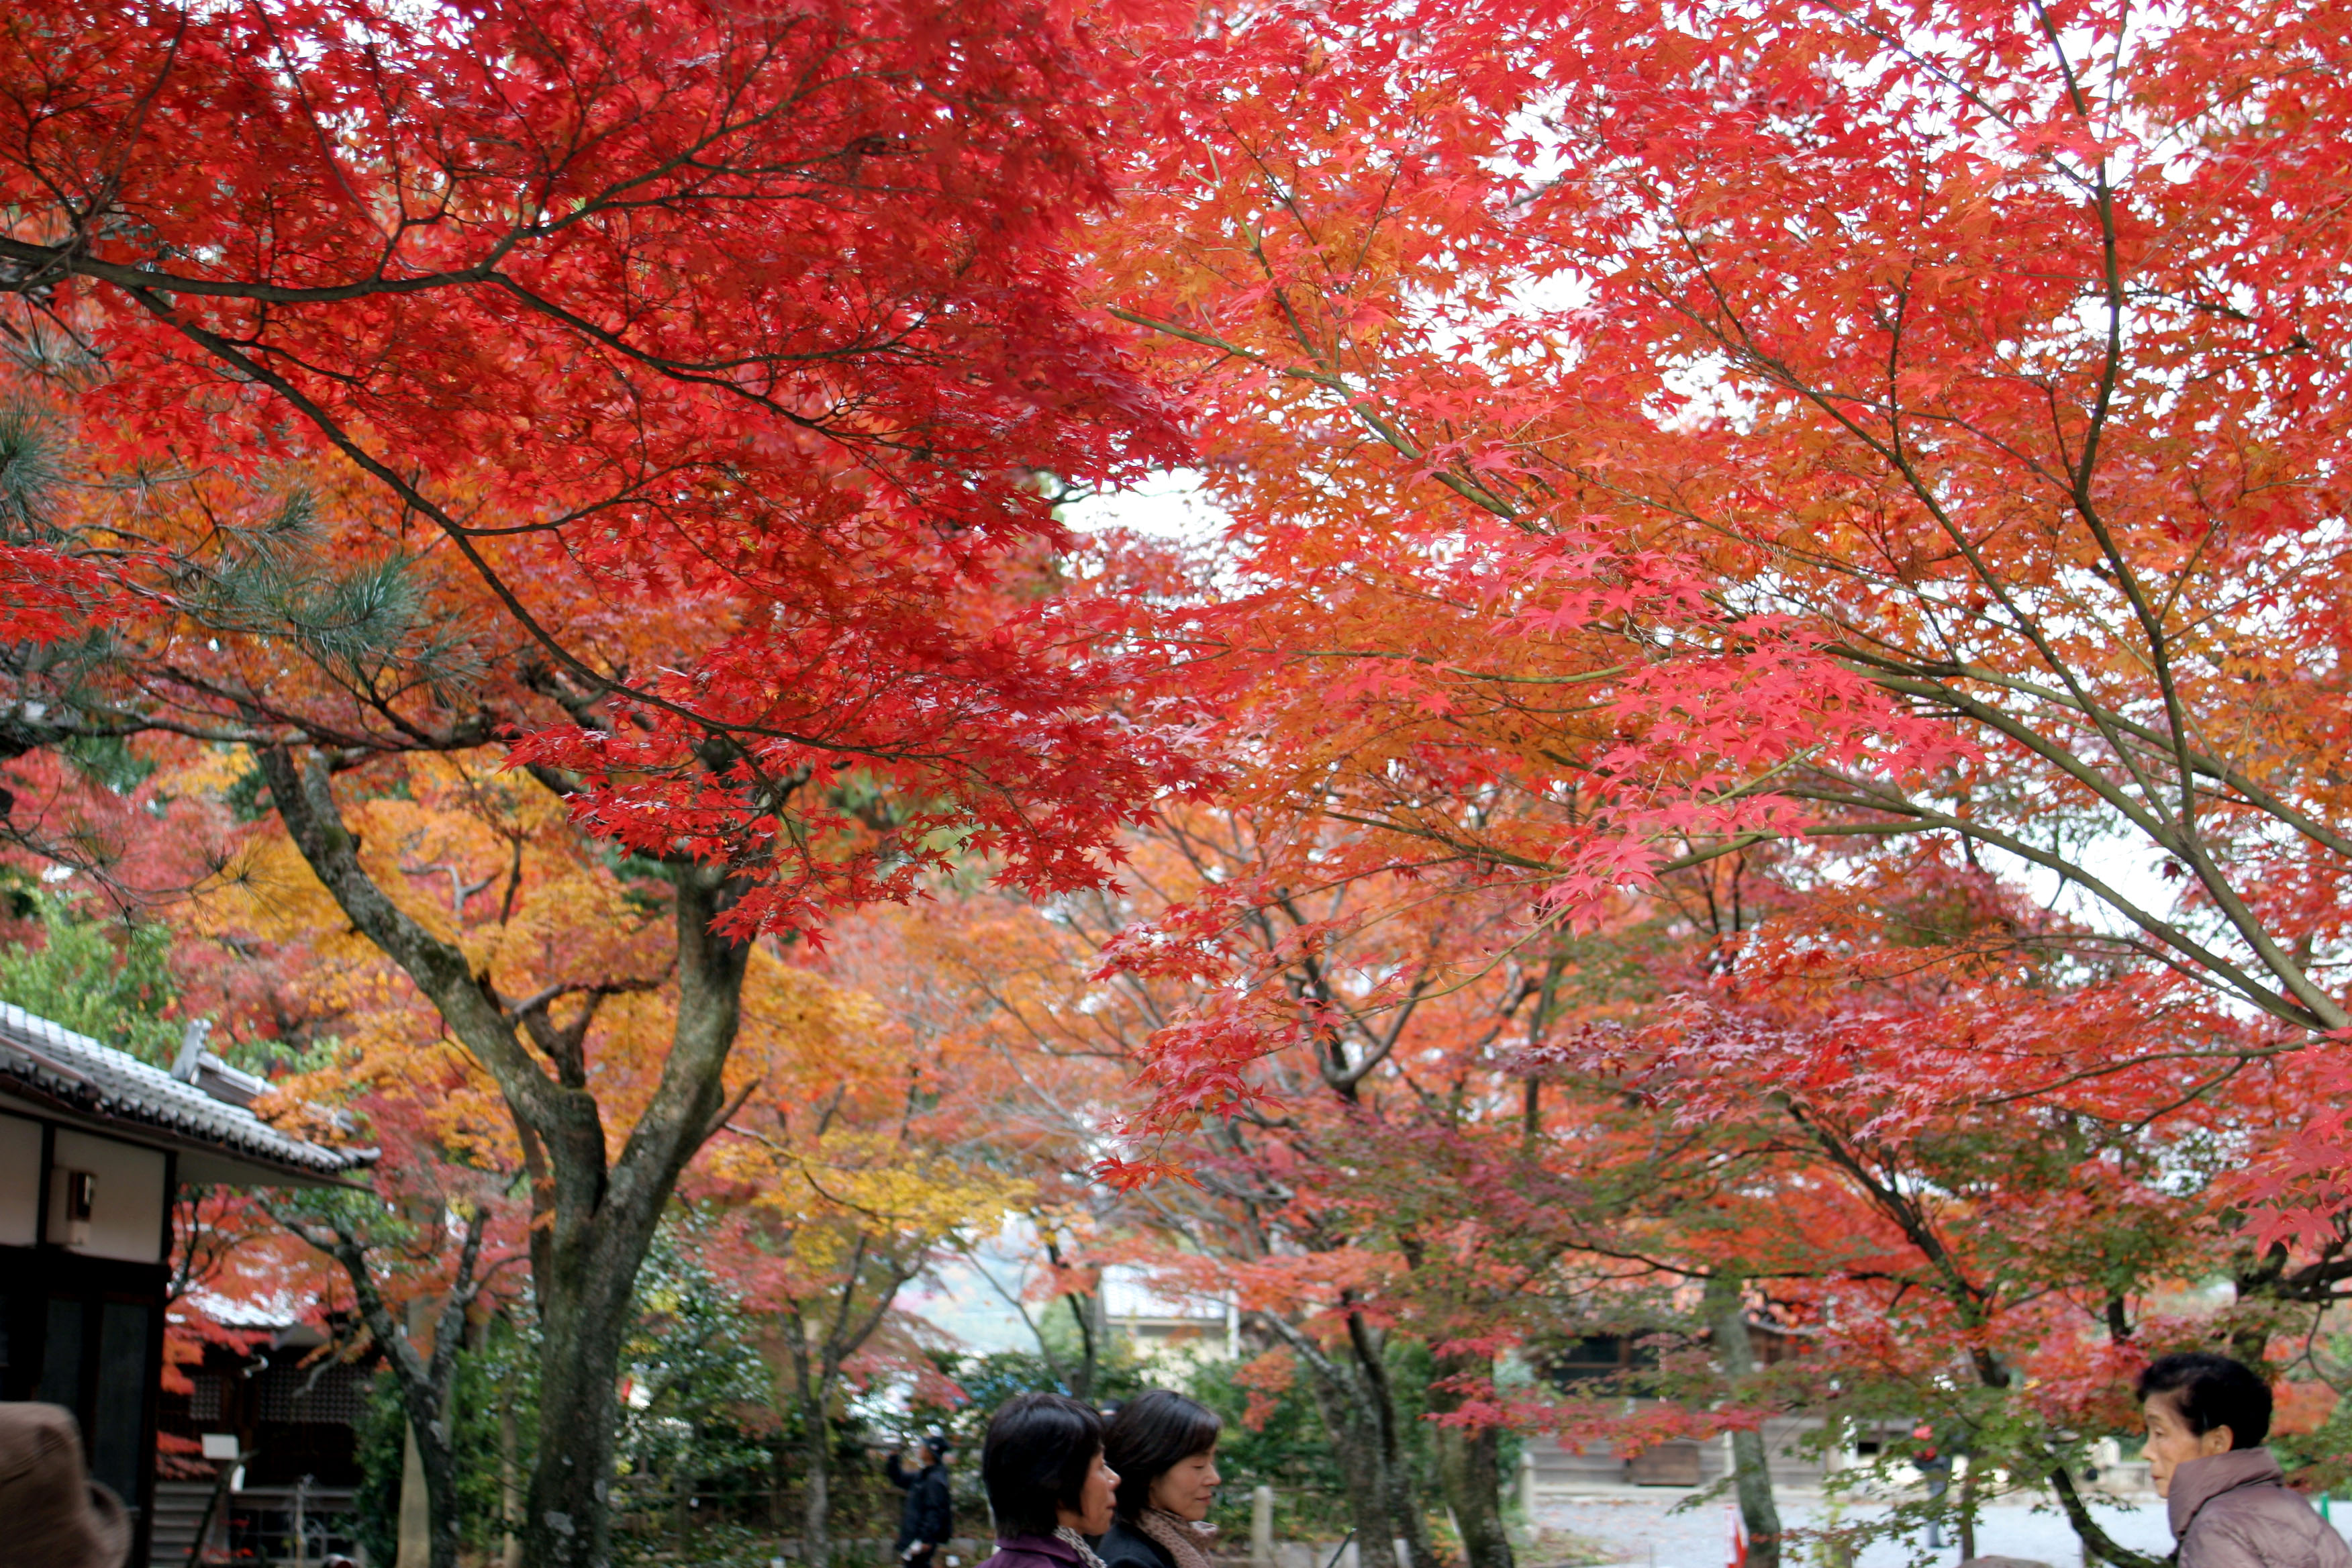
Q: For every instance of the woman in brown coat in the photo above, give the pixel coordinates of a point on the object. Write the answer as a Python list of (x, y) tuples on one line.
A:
[(2229, 1504)]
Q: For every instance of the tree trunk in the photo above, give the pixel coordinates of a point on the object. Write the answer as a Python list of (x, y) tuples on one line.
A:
[(1360, 1417), (594, 1214), (1368, 1345), (426, 1379), (1087, 1306), (816, 1498), (1470, 1471), (565, 1519), (1751, 1468), (1357, 1449)]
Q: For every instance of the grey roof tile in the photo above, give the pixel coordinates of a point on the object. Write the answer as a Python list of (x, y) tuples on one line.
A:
[(98, 1081)]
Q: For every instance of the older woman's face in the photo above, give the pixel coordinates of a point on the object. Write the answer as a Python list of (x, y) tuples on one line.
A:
[(1188, 1489), (2172, 1443), (1097, 1500)]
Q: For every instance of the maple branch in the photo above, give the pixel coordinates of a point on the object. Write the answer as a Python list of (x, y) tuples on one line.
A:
[(727, 1113), (2316, 1019), (1741, 343), (2267, 801), (2178, 836), (459, 537), (1469, 490), (2096, 1541), (564, 1047), (2192, 850), (1020, 1309), (2186, 845), (305, 803), (710, 971)]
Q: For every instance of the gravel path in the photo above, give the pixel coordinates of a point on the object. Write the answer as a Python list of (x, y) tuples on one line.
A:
[(1643, 1530)]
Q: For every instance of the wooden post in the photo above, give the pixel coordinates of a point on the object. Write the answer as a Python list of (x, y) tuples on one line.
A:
[(510, 1486), (1262, 1527), (415, 1503), (415, 1509)]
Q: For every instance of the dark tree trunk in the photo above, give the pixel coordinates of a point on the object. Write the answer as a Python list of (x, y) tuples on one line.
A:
[(1470, 1471), (1751, 1470), (427, 1380), (582, 1322), (815, 1362), (816, 1476), (1351, 1393), (1356, 1445), (1380, 1398)]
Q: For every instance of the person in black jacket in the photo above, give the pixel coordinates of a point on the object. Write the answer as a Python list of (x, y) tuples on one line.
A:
[(1165, 1447), (929, 1517)]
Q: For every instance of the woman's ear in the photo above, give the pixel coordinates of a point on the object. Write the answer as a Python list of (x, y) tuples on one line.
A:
[(2220, 1440)]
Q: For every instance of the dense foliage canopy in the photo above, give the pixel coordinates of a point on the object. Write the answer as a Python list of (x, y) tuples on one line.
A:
[(1754, 749)]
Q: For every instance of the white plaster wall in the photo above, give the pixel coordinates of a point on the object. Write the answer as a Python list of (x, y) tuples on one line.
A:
[(126, 1220)]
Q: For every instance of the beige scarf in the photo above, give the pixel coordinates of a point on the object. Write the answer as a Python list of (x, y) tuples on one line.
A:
[(1086, 1558), (1185, 1542)]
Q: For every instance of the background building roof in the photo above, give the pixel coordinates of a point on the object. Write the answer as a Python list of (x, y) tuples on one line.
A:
[(221, 1140)]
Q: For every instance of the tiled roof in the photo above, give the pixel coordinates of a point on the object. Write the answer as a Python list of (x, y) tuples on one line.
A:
[(78, 1072)]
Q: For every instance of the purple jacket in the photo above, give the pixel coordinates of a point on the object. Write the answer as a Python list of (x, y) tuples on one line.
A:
[(1053, 1552), (2233, 1510)]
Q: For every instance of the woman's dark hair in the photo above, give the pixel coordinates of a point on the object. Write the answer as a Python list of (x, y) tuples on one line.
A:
[(1039, 1451), (2212, 1391), (1152, 1434)]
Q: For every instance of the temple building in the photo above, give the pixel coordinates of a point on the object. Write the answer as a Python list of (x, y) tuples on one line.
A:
[(94, 1144)]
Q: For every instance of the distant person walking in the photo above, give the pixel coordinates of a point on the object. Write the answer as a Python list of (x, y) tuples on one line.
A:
[(1048, 1483), (1165, 1447), (2229, 1504), (927, 1519), (52, 1515)]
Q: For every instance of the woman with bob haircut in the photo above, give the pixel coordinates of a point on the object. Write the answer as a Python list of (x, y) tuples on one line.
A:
[(1165, 1447), (1042, 1463)]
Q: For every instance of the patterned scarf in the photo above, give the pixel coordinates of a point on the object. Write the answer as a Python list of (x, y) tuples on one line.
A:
[(1186, 1541), (1086, 1558)]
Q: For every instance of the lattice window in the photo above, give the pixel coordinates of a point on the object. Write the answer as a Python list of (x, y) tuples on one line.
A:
[(337, 1397)]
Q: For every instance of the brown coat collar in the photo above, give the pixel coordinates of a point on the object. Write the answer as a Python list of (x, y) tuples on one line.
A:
[(2200, 1481)]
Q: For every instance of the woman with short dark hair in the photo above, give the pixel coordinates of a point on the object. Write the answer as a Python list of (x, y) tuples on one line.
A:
[(1165, 1447), (1047, 1484), (2223, 1491)]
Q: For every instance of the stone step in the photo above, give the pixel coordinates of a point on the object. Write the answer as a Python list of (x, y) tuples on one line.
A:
[(179, 1509)]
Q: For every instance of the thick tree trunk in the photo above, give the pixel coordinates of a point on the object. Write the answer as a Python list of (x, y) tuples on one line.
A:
[(1751, 1470), (1404, 1499), (582, 1322), (1470, 1471), (1351, 1393), (1356, 1445)]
